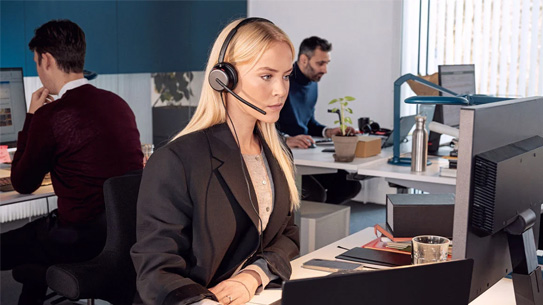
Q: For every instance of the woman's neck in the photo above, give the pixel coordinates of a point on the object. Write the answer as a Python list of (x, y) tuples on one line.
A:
[(248, 141)]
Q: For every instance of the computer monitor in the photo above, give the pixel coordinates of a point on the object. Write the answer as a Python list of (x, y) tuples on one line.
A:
[(12, 105), (459, 79), (499, 183)]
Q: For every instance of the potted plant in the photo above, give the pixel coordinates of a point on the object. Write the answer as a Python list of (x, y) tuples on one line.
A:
[(172, 104), (344, 144)]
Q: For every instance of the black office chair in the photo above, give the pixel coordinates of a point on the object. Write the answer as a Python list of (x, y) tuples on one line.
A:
[(110, 276)]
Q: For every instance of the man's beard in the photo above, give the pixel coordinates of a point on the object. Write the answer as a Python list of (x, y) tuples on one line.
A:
[(312, 75)]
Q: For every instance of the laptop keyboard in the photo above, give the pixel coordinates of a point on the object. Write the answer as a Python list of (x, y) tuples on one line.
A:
[(6, 186)]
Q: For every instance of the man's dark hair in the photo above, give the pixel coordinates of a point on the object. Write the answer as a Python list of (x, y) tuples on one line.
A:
[(309, 45), (64, 40)]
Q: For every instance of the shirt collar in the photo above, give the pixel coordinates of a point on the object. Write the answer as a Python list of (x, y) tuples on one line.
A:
[(299, 76), (72, 85)]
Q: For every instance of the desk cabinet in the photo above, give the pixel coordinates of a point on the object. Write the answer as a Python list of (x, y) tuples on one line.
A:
[(322, 224)]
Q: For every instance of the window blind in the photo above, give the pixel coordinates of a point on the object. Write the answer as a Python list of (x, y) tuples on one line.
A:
[(503, 38)]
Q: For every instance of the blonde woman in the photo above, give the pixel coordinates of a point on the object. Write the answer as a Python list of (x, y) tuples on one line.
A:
[(215, 208)]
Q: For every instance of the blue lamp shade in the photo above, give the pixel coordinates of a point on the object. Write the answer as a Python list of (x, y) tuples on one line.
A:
[(438, 100)]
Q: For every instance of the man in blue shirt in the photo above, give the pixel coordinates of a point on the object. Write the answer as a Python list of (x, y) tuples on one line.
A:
[(297, 121)]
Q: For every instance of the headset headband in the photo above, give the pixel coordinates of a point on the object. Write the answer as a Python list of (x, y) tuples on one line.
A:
[(233, 32)]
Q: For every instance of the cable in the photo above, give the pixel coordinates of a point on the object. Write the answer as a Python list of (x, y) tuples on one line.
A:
[(245, 176)]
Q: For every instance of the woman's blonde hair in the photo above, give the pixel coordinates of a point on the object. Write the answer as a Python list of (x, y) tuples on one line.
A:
[(247, 46)]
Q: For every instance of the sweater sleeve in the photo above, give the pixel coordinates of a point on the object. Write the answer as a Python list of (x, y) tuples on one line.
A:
[(35, 152)]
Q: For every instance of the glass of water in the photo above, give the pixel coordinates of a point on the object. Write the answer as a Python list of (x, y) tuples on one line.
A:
[(429, 249)]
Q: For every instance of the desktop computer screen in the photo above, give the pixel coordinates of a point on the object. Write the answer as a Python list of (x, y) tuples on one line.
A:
[(498, 186), (459, 79), (12, 105)]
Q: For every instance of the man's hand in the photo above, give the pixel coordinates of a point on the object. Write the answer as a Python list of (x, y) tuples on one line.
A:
[(300, 141), (337, 131), (237, 290), (40, 97)]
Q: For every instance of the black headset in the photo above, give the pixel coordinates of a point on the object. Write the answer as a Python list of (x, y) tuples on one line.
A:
[(224, 77), (224, 71), (370, 128)]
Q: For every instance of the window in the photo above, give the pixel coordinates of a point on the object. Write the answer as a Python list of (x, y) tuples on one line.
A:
[(503, 38)]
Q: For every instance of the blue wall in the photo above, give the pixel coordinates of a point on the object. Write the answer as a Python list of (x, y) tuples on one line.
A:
[(122, 36)]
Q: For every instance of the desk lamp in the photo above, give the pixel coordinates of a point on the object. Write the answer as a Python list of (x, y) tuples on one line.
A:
[(89, 75), (443, 100)]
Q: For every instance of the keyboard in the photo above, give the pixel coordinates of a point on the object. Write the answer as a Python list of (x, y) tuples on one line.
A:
[(6, 186), (323, 141)]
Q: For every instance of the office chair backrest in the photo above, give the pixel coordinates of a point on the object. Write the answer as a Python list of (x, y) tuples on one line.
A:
[(110, 276), (121, 196)]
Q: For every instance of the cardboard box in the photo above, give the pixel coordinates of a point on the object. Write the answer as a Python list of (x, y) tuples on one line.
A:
[(368, 146), (409, 215)]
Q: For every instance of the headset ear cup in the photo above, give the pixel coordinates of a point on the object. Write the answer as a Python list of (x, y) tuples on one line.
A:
[(374, 126), (232, 75), (226, 73)]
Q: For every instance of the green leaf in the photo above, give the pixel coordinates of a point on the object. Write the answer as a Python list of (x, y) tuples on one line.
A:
[(332, 101), (349, 110), (334, 110), (336, 122), (349, 98), (348, 120)]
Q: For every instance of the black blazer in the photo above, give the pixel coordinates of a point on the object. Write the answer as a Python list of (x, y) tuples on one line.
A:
[(196, 224)]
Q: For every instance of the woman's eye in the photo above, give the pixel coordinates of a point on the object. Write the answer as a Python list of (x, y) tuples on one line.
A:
[(266, 77), (286, 77)]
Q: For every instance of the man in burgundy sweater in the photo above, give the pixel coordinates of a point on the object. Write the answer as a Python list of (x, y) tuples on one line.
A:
[(83, 137)]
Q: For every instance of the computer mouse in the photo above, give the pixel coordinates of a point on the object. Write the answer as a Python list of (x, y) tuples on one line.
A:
[(312, 145)]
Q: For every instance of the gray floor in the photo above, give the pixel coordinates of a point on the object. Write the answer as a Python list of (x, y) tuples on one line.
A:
[(362, 216)]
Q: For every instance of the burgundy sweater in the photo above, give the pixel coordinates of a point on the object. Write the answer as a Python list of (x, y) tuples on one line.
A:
[(83, 138)]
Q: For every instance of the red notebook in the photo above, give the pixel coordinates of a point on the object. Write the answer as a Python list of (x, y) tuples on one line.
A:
[(383, 229), (378, 244)]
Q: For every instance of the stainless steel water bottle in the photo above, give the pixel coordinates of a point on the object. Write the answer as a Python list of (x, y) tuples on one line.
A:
[(419, 153)]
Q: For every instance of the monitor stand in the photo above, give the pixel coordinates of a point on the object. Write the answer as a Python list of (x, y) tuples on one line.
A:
[(527, 277)]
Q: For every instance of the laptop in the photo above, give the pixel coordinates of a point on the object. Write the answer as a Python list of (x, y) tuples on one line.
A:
[(440, 283), (406, 124)]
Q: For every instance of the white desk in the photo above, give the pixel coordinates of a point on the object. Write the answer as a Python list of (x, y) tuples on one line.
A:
[(500, 294), (314, 161), (429, 180), (14, 197)]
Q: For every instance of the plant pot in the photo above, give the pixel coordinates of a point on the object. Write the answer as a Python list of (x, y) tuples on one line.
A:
[(345, 147)]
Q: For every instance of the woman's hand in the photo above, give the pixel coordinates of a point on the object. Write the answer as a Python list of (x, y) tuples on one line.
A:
[(237, 290)]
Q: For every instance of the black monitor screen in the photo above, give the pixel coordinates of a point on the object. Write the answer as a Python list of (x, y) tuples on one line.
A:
[(12, 104), (459, 79)]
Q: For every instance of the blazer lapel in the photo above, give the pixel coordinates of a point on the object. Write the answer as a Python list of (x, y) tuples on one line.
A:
[(229, 164)]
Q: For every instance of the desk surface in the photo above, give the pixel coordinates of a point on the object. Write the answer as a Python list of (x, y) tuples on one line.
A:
[(316, 158), (500, 294), (14, 197), (312, 161)]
